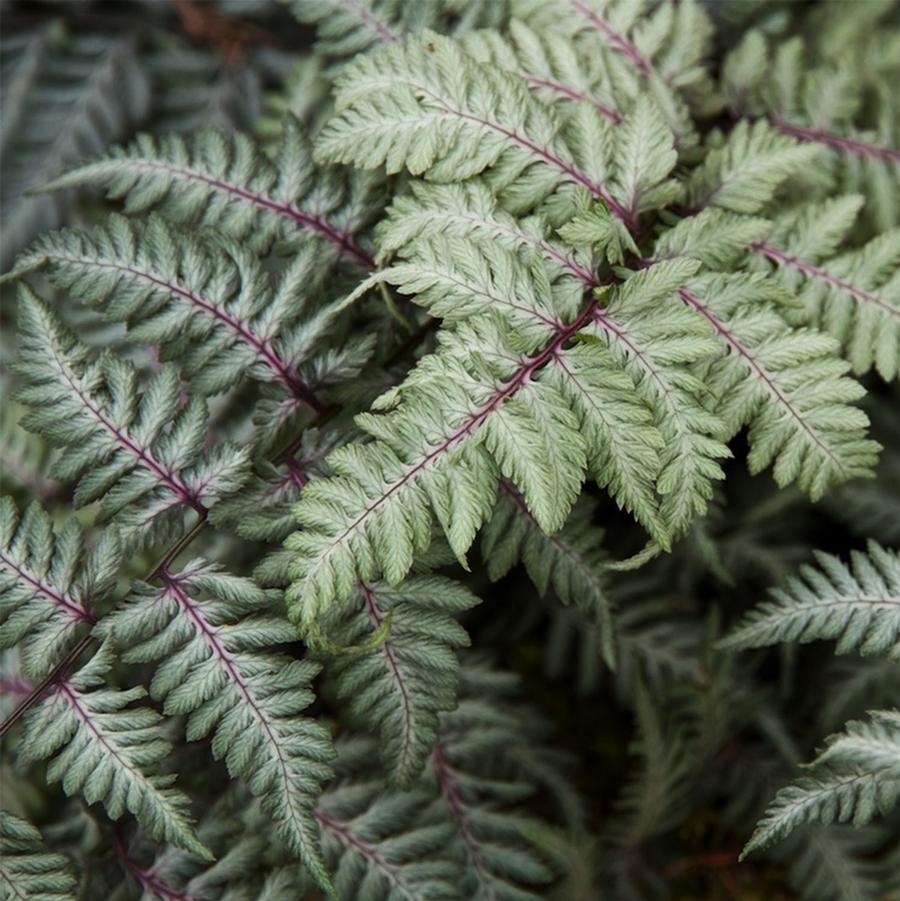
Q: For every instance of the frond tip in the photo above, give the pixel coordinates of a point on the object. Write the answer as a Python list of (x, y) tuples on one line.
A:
[(856, 604)]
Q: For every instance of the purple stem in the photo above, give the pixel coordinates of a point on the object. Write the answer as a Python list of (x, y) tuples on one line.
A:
[(850, 146), (387, 649), (262, 347), (781, 256), (312, 221), (573, 94), (739, 348), (617, 41), (450, 791), (72, 608)]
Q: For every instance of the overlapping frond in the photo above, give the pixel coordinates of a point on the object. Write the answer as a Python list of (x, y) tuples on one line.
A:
[(227, 183), (571, 561), (389, 845), (855, 778), (478, 773), (789, 385), (209, 305), (212, 633), (825, 103), (463, 415), (650, 803), (64, 96), (857, 604), (28, 872), (401, 685), (140, 453), (50, 584), (109, 751), (427, 106), (853, 295)]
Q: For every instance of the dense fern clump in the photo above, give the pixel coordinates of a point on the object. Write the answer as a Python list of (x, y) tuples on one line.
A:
[(407, 407)]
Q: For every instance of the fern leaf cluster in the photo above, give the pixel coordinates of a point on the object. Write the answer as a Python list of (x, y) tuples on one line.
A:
[(339, 336)]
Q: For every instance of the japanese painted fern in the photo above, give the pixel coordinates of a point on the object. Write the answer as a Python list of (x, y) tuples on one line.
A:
[(541, 283)]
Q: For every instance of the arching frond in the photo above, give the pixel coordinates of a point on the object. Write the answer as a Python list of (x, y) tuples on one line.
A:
[(211, 631), (109, 751), (857, 604), (142, 453), (401, 685), (226, 182)]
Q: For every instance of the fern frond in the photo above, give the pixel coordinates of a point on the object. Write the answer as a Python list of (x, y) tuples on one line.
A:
[(212, 630), (261, 510), (546, 61), (650, 802), (854, 295), (212, 307), (499, 403), (570, 561), (788, 385), (386, 845), (832, 863), (64, 96), (854, 779), (400, 686), (743, 169), (49, 584), (857, 604), (823, 103), (226, 182), (141, 453), (108, 751), (642, 48), (428, 107), (475, 769), (27, 870)]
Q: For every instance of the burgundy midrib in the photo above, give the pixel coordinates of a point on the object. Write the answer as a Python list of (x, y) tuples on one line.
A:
[(382, 28), (211, 638), (573, 94), (780, 256), (449, 790), (475, 419), (364, 850), (771, 386), (75, 610), (837, 142), (187, 495), (71, 696), (262, 347), (388, 651), (544, 153), (618, 41), (339, 239)]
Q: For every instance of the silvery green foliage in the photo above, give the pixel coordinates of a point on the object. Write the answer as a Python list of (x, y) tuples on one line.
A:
[(140, 453), (109, 751), (857, 775), (27, 870), (401, 685), (226, 182), (211, 630), (49, 584), (856, 604), (65, 96), (493, 283)]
